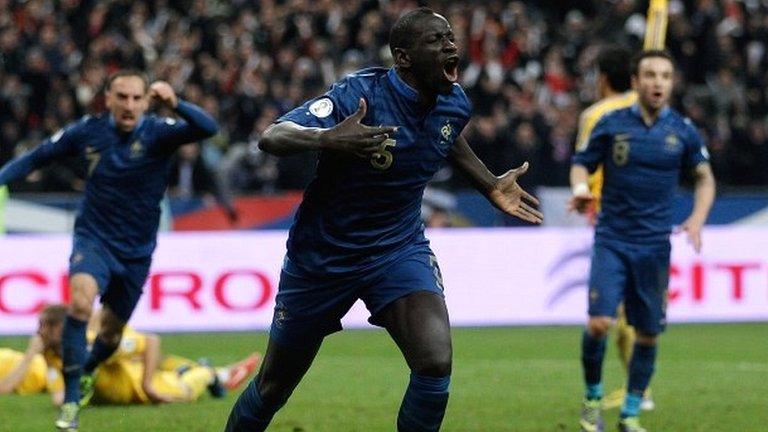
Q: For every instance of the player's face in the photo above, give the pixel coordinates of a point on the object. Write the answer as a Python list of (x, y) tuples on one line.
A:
[(50, 332), (653, 82), (127, 100), (434, 56)]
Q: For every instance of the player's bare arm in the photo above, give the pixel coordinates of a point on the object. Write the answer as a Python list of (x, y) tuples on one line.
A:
[(502, 191), (350, 136), (703, 197), (34, 347), (581, 197), (151, 360)]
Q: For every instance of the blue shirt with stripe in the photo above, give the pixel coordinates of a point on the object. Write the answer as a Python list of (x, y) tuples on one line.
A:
[(642, 170), (127, 173), (359, 213)]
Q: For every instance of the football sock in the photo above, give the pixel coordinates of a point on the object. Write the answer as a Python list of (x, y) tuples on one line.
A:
[(592, 354), (99, 352), (640, 372), (250, 413), (424, 403), (73, 351)]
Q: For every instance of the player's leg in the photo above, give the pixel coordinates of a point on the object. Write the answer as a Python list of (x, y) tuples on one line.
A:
[(625, 340), (606, 286), (306, 310), (106, 343), (280, 373), (83, 290), (407, 299), (88, 273), (645, 305), (418, 323)]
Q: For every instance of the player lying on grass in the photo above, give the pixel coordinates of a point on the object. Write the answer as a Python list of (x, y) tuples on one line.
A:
[(136, 368)]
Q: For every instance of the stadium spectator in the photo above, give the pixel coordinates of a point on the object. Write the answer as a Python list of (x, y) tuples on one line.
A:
[(527, 59)]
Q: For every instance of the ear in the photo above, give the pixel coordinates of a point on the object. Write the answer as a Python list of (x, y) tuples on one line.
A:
[(402, 58), (634, 82)]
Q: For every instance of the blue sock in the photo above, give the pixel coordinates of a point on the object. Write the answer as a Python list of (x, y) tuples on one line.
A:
[(424, 403), (99, 352), (592, 354), (73, 351), (250, 413), (640, 371)]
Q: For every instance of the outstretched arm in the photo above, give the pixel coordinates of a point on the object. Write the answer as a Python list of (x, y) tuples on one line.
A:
[(351, 136), (503, 191), (62, 144), (16, 375), (703, 197)]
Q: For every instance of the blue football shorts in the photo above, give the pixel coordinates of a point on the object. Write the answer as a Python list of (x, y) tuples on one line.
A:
[(120, 281), (636, 274), (308, 308)]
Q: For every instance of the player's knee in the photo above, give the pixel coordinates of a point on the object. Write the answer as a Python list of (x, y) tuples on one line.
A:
[(437, 364), (83, 290), (598, 326), (80, 307)]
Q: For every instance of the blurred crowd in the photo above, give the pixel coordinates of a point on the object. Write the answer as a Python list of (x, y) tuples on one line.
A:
[(527, 66)]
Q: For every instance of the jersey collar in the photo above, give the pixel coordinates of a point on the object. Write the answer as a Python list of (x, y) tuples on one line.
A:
[(664, 112), (401, 87)]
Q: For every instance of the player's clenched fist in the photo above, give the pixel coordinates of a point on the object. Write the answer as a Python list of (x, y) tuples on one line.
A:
[(162, 92)]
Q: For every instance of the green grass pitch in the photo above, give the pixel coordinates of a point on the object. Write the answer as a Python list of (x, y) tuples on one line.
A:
[(708, 378)]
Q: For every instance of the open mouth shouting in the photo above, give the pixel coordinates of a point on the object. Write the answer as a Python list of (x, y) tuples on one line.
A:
[(451, 69)]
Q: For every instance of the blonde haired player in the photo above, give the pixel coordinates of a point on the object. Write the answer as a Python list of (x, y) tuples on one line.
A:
[(615, 93), (123, 378)]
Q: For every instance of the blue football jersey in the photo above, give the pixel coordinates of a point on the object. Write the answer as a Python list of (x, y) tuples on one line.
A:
[(127, 173), (361, 213), (642, 170)]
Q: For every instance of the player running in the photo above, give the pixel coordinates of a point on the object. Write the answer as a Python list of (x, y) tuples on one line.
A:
[(642, 150), (128, 155)]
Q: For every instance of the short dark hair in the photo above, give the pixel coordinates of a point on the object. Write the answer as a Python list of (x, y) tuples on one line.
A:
[(54, 314), (401, 34), (612, 61), (128, 73), (649, 54)]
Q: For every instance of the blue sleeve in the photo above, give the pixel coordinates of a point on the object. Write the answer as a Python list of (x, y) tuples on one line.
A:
[(62, 144), (594, 152), (195, 125), (695, 149), (330, 109)]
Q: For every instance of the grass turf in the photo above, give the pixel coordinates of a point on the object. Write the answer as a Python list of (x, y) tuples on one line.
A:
[(708, 378)]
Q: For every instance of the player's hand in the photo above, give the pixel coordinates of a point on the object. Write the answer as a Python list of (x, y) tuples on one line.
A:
[(154, 396), (582, 202), (510, 198), (35, 345), (692, 228), (162, 92), (351, 136)]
